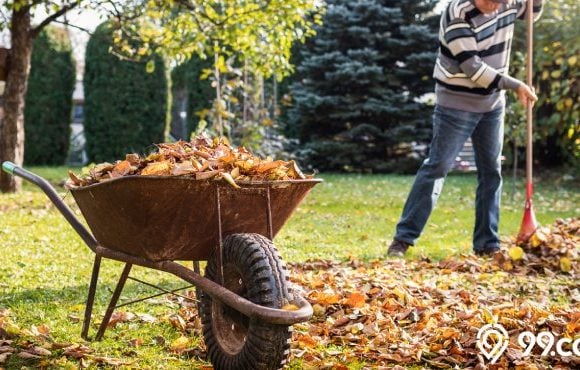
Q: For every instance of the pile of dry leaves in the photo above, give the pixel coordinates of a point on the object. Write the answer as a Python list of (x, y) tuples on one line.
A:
[(420, 313), (549, 250), (201, 158), (409, 314)]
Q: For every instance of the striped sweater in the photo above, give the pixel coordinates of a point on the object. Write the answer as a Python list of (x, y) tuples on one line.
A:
[(474, 52)]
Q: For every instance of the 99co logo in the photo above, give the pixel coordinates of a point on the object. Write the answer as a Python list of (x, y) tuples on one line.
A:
[(547, 341), (493, 339)]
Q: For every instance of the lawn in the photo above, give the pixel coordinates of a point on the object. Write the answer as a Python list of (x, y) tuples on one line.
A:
[(45, 268)]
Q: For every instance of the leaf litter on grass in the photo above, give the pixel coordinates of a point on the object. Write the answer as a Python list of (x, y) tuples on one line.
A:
[(387, 314), (423, 313)]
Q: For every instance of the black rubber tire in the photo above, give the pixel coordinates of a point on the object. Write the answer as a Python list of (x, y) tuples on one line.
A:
[(254, 270)]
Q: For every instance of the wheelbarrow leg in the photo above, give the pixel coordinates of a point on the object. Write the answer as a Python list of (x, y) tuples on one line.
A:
[(114, 299), (91, 297), (198, 292)]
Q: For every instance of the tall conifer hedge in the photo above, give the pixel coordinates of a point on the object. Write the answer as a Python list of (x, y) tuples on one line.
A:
[(125, 106), (47, 114)]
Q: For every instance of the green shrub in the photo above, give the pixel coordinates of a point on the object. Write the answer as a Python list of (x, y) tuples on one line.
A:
[(125, 106), (47, 114)]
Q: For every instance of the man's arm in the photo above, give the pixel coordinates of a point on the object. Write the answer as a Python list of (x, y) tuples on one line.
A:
[(461, 42), (522, 7)]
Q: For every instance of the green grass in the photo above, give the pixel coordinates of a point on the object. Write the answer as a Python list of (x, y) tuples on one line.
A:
[(356, 215), (45, 268)]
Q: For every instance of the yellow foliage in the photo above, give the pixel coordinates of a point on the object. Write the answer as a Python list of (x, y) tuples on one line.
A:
[(516, 253)]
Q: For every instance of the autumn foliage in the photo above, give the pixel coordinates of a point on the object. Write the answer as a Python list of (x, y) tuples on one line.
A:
[(202, 158)]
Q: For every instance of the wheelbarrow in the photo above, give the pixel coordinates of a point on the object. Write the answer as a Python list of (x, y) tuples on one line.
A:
[(246, 303)]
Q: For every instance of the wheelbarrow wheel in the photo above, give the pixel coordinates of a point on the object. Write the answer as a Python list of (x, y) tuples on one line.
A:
[(253, 269)]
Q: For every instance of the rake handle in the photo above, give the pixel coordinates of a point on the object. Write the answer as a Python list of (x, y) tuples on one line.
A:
[(529, 113)]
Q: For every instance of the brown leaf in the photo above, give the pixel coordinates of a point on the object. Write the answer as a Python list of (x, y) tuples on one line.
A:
[(28, 356), (133, 159), (4, 348), (4, 356), (74, 180), (206, 175), (157, 169), (120, 317), (183, 168), (136, 342), (177, 322), (268, 166), (77, 351), (110, 361)]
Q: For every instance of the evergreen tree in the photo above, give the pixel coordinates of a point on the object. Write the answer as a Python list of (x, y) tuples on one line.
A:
[(48, 103), (125, 105), (356, 104)]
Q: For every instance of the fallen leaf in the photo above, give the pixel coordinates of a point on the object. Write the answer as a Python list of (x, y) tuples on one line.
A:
[(355, 300), (516, 253), (290, 307), (179, 345), (4, 356), (565, 264), (28, 356)]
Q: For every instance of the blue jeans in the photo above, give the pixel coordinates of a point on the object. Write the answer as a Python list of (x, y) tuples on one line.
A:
[(451, 128)]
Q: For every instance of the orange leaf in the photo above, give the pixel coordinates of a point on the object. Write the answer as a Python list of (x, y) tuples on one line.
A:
[(325, 298), (305, 340), (355, 299), (121, 169)]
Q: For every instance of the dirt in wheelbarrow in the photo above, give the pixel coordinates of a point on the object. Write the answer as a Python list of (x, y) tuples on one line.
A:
[(201, 158)]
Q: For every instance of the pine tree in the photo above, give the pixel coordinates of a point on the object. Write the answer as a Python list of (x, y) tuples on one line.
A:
[(125, 106), (47, 113), (361, 75)]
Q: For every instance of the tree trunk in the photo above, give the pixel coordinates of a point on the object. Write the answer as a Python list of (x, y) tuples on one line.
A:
[(12, 125)]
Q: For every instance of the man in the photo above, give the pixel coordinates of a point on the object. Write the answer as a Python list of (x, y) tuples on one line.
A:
[(471, 78)]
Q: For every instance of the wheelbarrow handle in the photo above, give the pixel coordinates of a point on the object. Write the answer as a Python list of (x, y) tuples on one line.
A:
[(49, 190)]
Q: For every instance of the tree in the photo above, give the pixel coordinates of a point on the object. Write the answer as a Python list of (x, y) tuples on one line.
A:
[(362, 76), (16, 16), (49, 98), (255, 36), (555, 78), (262, 30), (125, 104), (556, 61)]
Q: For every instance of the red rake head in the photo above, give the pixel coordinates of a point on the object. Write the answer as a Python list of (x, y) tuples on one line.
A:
[(529, 224)]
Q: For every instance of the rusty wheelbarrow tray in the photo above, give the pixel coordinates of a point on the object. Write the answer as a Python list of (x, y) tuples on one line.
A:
[(245, 302)]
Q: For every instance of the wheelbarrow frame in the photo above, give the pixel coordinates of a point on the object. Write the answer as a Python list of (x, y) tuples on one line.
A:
[(213, 289)]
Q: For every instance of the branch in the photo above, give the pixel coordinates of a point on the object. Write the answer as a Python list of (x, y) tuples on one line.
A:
[(195, 10), (189, 5), (36, 30), (74, 26), (4, 16)]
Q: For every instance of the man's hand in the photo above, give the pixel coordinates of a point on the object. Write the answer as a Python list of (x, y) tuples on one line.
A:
[(526, 95)]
